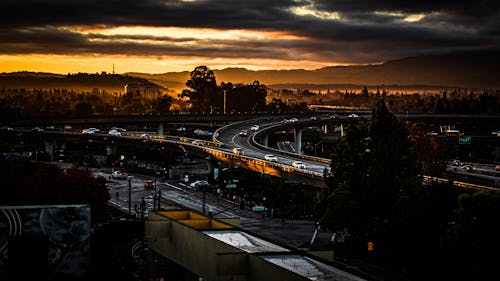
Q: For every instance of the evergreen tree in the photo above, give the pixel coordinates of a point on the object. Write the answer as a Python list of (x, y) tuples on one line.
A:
[(394, 166), (371, 170), (348, 179)]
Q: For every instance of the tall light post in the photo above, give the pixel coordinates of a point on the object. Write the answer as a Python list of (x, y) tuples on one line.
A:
[(129, 195), (225, 101)]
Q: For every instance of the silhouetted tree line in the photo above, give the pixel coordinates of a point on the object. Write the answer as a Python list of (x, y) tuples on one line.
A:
[(204, 95), (486, 101), (57, 103), (426, 231), (23, 182)]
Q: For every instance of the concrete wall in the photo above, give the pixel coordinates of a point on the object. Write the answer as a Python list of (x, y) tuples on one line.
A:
[(195, 251), (177, 236)]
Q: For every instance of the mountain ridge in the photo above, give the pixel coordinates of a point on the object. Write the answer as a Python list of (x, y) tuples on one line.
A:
[(456, 70), (465, 70)]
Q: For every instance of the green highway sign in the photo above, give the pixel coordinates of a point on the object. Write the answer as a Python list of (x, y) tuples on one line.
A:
[(231, 185), (258, 208), (464, 140)]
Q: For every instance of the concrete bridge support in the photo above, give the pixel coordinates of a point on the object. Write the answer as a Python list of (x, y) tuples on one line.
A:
[(210, 164), (298, 141), (50, 148), (160, 129), (110, 149), (265, 141)]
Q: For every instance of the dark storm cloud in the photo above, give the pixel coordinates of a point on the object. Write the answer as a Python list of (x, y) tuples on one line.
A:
[(366, 30), (38, 40)]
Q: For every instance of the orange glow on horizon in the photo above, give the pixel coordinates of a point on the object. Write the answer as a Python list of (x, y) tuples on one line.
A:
[(175, 37), (64, 64)]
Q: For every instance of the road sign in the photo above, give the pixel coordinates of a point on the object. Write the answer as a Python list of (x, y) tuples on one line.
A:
[(464, 140), (231, 185), (216, 174), (258, 208)]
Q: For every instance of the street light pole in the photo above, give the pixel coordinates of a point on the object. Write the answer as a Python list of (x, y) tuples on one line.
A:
[(129, 196), (203, 190), (225, 102), (159, 199)]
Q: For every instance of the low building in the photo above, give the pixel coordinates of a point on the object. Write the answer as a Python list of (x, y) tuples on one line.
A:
[(146, 89), (209, 249)]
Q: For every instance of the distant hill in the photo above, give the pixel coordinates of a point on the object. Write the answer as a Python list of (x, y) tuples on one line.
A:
[(468, 70), (78, 82)]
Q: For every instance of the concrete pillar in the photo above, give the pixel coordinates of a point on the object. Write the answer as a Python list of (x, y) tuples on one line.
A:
[(160, 129), (210, 164), (298, 141), (341, 130), (265, 140), (110, 149), (325, 129), (50, 147)]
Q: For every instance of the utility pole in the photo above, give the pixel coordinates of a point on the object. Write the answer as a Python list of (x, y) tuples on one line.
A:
[(203, 190), (129, 196), (225, 101), (143, 206), (159, 199)]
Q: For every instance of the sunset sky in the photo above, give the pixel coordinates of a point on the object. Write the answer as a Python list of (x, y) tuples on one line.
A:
[(69, 36)]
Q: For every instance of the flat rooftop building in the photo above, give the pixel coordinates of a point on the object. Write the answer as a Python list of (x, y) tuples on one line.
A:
[(214, 250)]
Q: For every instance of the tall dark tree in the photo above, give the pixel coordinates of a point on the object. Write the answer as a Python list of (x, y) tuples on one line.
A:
[(203, 92), (371, 169), (394, 166), (348, 180), (246, 98)]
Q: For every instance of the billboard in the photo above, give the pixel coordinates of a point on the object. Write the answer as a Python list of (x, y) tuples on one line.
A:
[(47, 240)]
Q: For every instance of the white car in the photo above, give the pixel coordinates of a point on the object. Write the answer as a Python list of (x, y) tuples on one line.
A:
[(293, 120), (243, 133), (145, 136), (118, 129), (353, 116), (199, 132), (255, 128), (114, 133), (237, 151), (119, 175), (298, 165), (199, 184), (88, 132), (271, 158)]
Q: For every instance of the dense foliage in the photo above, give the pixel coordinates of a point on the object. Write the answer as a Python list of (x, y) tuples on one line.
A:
[(36, 183), (75, 97), (427, 231)]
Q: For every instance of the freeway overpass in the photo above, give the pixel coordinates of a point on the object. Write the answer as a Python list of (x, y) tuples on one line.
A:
[(221, 147)]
